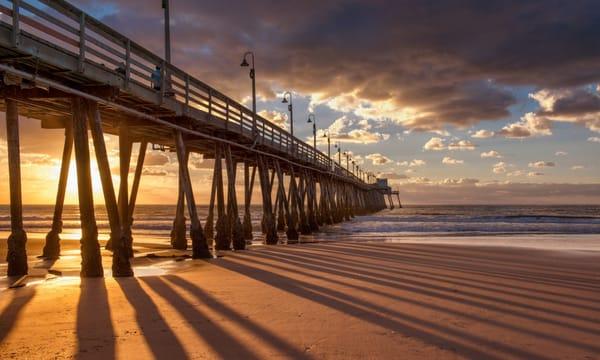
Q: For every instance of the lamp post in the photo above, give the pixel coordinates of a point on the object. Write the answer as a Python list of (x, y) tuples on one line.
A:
[(347, 155), (326, 135), (353, 167), (165, 6), (338, 146), (253, 77), (313, 119), (290, 103)]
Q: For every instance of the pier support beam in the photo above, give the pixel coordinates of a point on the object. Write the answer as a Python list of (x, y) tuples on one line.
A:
[(121, 265), (292, 226), (303, 225), (52, 246), (223, 233), (248, 187), (271, 237), (125, 149), (178, 238), (209, 227), (311, 197), (280, 204), (91, 260), (284, 203), (17, 240), (136, 184), (199, 246), (235, 225)]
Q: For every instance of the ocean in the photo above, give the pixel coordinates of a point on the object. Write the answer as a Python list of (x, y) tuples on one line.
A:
[(464, 220)]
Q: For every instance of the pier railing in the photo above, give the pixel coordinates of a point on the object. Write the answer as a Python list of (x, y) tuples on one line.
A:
[(70, 30)]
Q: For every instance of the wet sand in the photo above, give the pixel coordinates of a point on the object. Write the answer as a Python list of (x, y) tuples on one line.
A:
[(340, 300)]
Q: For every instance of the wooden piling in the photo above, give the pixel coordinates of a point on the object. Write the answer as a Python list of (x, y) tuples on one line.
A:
[(284, 203), (223, 234), (210, 219), (51, 249), (311, 197), (271, 237), (121, 265), (17, 240), (303, 225), (91, 260), (199, 246), (178, 236), (235, 224), (248, 187), (125, 149), (136, 182), (279, 207)]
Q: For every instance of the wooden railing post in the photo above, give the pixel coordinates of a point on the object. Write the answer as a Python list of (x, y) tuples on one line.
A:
[(187, 94), (227, 116), (16, 32), (209, 102), (127, 62), (81, 59)]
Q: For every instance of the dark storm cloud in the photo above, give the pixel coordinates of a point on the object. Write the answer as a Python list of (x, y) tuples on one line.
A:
[(450, 61)]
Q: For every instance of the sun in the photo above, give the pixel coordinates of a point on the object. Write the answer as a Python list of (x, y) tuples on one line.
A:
[(71, 196)]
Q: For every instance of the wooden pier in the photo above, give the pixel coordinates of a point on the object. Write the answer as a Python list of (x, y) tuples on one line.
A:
[(72, 72)]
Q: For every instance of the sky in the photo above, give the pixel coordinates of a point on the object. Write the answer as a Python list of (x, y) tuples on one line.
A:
[(454, 101)]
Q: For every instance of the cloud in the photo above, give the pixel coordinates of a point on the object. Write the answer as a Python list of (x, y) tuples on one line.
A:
[(154, 172), (450, 161), (156, 158), (594, 139), (461, 181), (529, 125), (276, 117), (579, 105), (516, 173), (560, 153), (482, 134), (392, 176), (491, 154), (577, 167), (342, 130), (435, 144), (378, 159), (461, 145), (439, 144), (541, 164), (534, 174), (441, 76), (499, 168), (499, 193), (412, 163)]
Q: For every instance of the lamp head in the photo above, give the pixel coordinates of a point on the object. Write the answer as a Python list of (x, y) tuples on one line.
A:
[(309, 120), (244, 63), (284, 101)]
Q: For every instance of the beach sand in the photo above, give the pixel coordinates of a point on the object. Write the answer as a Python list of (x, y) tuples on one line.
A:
[(333, 300)]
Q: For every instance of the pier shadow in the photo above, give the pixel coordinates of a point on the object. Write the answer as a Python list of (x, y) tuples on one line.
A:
[(95, 333), (340, 277), (222, 342), (11, 312), (500, 272), (232, 315), (159, 336), (495, 256), (397, 272), (437, 335), (322, 272)]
